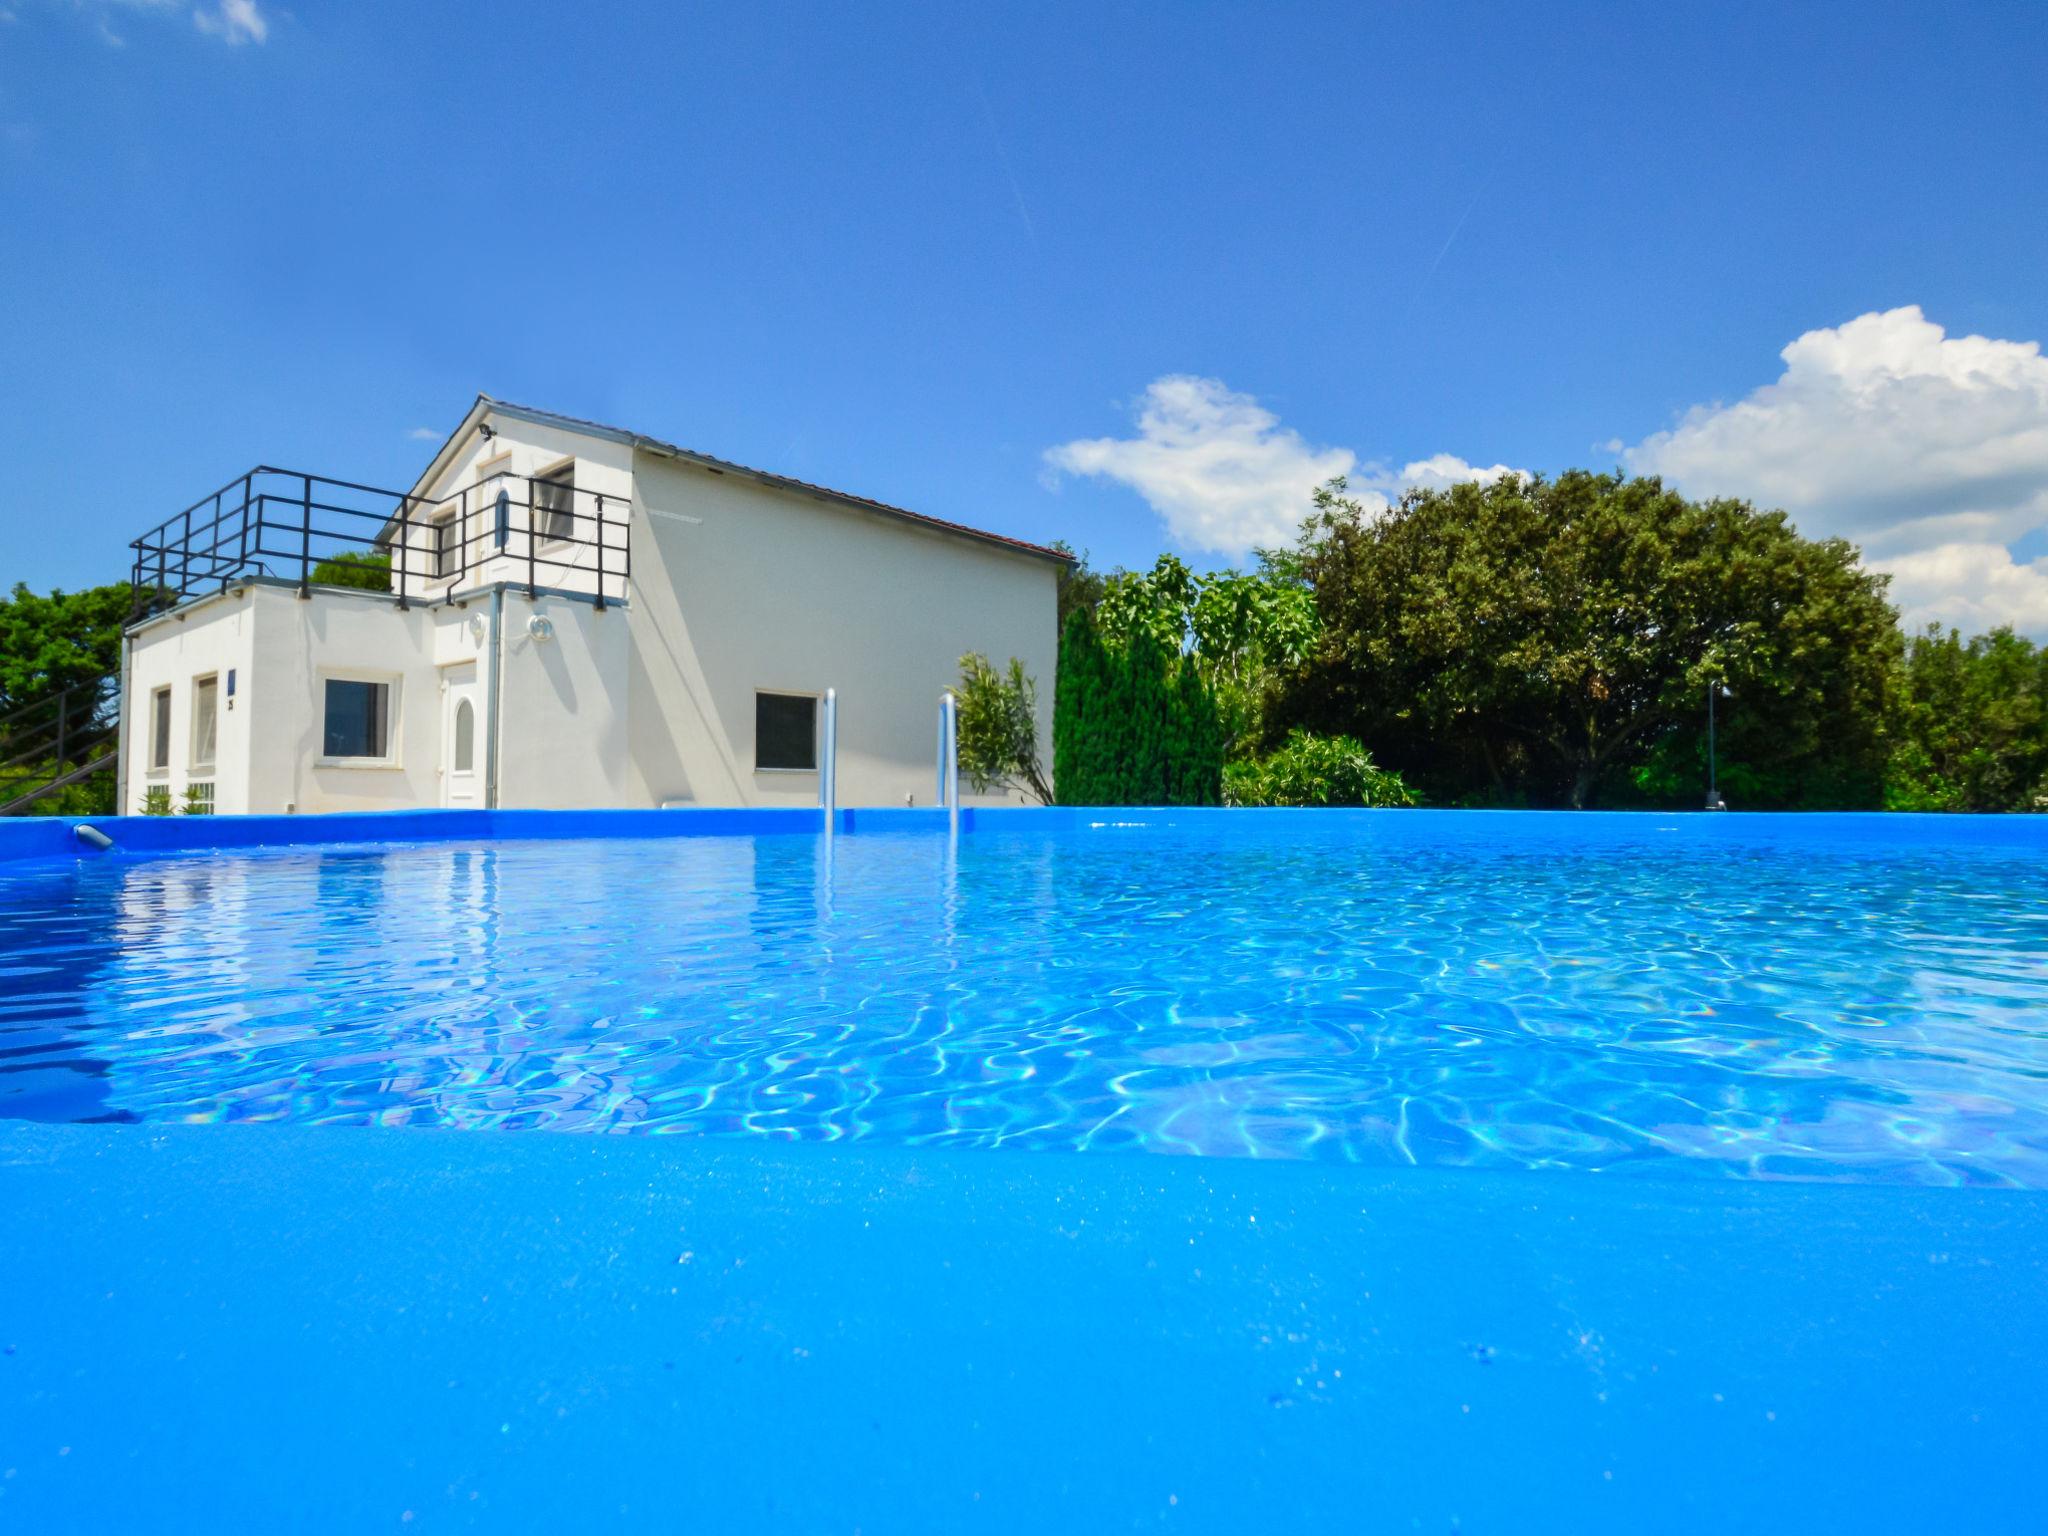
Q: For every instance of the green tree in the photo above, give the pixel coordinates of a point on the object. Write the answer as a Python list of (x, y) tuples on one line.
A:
[(1241, 631), (1971, 732), (355, 568), (1076, 749), (1133, 723), (1198, 742), (1551, 641), (998, 723), (1146, 762), (1080, 585), (48, 643)]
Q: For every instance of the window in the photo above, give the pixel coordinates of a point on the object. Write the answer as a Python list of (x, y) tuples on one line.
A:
[(465, 737), (160, 730), (785, 730), (554, 503), (501, 514), (358, 722), (205, 721), (445, 546)]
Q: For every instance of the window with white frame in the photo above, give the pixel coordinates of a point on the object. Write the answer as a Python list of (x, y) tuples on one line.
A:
[(444, 547), (785, 731), (160, 731), (554, 503), (356, 720), (465, 737), (205, 721)]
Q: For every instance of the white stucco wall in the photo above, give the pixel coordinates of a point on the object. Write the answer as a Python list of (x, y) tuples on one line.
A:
[(739, 587), (210, 639), (569, 748), (563, 744)]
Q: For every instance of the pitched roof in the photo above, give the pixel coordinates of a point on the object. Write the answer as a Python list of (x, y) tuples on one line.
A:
[(487, 403)]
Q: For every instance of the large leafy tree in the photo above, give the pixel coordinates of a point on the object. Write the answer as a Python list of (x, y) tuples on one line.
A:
[(49, 642), (1971, 731), (1551, 642)]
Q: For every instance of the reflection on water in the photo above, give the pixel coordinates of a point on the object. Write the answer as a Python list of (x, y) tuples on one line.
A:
[(1367, 991)]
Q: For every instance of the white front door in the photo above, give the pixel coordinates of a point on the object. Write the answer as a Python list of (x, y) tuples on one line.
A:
[(462, 736)]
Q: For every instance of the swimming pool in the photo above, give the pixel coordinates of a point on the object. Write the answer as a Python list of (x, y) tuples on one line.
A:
[(1859, 999)]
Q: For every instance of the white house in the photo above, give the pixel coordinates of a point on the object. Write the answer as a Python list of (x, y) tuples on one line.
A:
[(578, 616)]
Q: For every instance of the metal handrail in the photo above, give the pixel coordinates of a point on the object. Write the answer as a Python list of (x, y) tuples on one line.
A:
[(299, 519), (949, 757)]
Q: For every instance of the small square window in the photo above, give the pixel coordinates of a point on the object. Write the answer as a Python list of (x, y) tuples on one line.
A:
[(358, 719), (785, 730)]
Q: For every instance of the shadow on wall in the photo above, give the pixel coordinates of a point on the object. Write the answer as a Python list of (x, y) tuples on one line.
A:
[(660, 764)]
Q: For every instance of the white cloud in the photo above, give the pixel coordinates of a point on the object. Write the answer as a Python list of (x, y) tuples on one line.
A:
[(1225, 475), (1441, 471), (1930, 451), (237, 21), (233, 21), (424, 434), (1974, 587)]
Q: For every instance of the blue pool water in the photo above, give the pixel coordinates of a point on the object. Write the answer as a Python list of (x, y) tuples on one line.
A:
[(1846, 999)]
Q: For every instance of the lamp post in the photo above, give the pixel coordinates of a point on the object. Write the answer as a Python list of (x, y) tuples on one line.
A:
[(1714, 800)]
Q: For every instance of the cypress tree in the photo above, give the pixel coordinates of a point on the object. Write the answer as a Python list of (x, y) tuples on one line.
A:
[(1147, 757), (1103, 726), (1200, 767), (1133, 724), (1079, 672)]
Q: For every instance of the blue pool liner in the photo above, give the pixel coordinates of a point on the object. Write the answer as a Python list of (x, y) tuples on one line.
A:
[(51, 837), (329, 1329)]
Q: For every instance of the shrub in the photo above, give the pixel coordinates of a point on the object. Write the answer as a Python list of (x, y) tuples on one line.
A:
[(998, 721), (1315, 770), (370, 572)]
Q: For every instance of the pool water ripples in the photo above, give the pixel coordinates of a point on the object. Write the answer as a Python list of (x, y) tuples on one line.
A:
[(1361, 989)]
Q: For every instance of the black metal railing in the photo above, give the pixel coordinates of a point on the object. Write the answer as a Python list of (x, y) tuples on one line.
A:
[(314, 530), (58, 740)]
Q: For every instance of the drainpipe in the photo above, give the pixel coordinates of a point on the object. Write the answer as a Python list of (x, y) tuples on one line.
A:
[(122, 728), (493, 691)]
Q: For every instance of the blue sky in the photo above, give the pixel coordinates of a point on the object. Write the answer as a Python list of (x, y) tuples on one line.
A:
[(1131, 276)]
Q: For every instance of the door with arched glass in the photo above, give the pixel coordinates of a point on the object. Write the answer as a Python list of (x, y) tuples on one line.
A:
[(462, 736)]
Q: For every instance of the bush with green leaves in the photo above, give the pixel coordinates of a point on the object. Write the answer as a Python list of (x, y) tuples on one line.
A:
[(353, 568), (998, 725), (1310, 770)]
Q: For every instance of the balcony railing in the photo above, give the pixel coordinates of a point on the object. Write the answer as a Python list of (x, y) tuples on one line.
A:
[(312, 530)]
